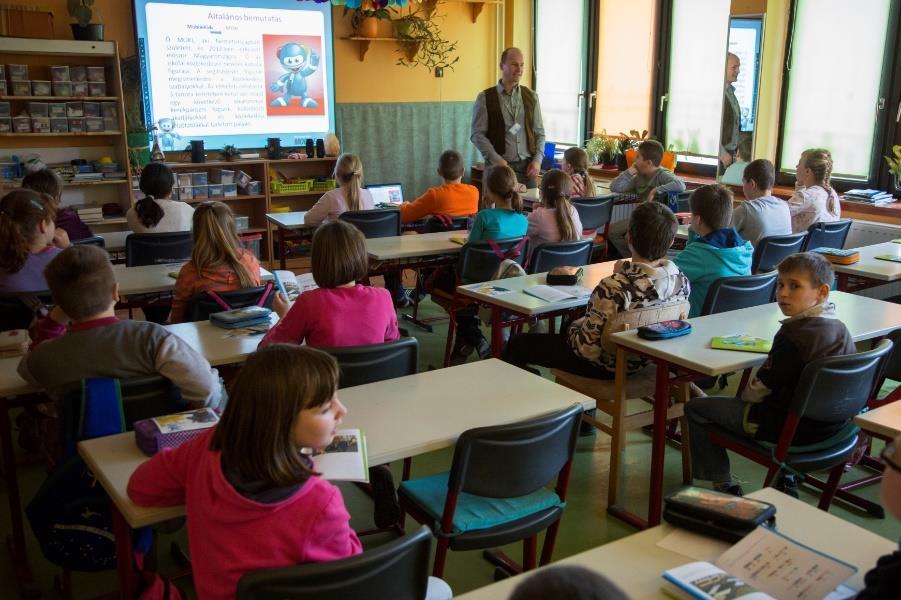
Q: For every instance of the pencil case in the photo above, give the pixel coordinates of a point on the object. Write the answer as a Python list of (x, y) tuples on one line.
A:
[(716, 514), (171, 431), (838, 256), (564, 275), (241, 317), (664, 330)]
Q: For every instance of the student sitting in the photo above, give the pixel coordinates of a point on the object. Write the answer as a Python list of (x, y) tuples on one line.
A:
[(97, 344), (218, 262), (567, 582), (452, 199), (26, 240), (575, 164), (156, 212), (718, 251), (811, 331), (252, 498), (761, 214), (556, 219), (647, 179), (340, 312), (814, 200), (349, 195), (886, 575), (47, 182), (648, 279)]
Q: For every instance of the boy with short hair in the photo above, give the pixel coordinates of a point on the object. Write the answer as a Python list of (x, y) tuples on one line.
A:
[(810, 332), (762, 214), (718, 250), (647, 179), (453, 198), (649, 278), (98, 344)]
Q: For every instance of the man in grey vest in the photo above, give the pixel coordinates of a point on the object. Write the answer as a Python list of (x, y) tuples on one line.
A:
[(730, 131), (506, 122)]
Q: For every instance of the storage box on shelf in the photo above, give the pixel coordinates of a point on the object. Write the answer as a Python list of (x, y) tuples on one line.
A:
[(71, 110)]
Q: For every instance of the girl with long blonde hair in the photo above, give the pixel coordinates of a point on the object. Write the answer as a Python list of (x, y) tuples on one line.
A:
[(218, 261), (556, 220), (349, 195), (814, 200)]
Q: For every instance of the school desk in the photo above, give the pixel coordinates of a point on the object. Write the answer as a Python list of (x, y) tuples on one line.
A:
[(635, 563), (290, 226), (403, 247), (866, 318), (401, 417), (682, 232), (520, 304), (150, 279), (870, 271), (883, 422)]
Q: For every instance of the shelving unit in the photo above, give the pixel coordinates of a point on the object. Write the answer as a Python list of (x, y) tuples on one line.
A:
[(62, 147)]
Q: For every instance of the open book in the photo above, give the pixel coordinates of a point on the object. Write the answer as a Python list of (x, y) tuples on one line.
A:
[(558, 293), (764, 565), (345, 458), (487, 289), (293, 285)]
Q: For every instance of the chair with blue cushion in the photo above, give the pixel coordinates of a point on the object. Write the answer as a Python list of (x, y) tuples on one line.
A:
[(560, 254), (770, 251), (495, 492), (827, 235), (831, 390)]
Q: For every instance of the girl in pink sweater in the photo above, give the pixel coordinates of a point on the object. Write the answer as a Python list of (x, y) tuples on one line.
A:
[(556, 219), (252, 499), (340, 312)]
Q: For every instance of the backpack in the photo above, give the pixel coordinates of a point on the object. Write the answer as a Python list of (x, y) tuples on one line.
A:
[(71, 514)]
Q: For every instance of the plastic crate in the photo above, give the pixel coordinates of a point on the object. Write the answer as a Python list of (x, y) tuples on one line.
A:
[(278, 187), (252, 242), (324, 185)]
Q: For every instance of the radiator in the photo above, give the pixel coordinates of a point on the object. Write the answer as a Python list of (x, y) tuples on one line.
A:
[(621, 212), (867, 233)]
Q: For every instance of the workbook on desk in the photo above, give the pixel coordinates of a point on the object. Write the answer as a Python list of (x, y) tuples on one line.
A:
[(344, 459), (295, 285), (488, 289), (742, 343), (764, 565), (558, 293)]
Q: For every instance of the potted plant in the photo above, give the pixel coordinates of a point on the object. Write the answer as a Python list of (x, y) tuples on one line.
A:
[(229, 152), (630, 142), (138, 138), (423, 43), (603, 149), (83, 29), (365, 18), (894, 165)]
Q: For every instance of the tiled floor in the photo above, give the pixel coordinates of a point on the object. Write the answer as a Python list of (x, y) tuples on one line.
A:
[(585, 522)]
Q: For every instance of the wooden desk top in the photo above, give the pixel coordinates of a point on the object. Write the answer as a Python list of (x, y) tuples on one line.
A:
[(400, 417), (865, 318), (635, 563), (873, 268), (288, 220), (411, 246), (153, 278), (884, 421), (522, 303)]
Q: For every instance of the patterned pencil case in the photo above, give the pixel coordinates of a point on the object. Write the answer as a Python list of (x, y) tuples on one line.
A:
[(664, 330), (171, 431)]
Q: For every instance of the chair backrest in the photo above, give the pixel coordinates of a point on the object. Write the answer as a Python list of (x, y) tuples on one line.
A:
[(397, 570), (625, 320), (157, 248), (435, 224), (683, 200), (827, 235), (94, 240), (381, 222), (570, 254), (376, 362), (201, 306), (595, 212), (505, 461), (142, 398), (770, 250), (733, 293), (836, 388), (478, 260), (893, 362)]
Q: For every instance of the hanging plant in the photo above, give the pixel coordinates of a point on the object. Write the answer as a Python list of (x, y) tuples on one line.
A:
[(423, 43)]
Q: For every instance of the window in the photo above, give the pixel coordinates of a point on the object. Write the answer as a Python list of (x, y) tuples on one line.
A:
[(835, 84)]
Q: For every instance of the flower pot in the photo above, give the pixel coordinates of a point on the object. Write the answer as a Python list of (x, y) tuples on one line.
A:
[(630, 154), (368, 27), (90, 32), (898, 183), (621, 162), (669, 161)]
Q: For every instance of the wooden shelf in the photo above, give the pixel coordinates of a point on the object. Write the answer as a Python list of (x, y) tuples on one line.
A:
[(5, 185), (300, 161), (61, 98), (476, 6), (57, 134), (216, 163), (227, 198), (364, 42)]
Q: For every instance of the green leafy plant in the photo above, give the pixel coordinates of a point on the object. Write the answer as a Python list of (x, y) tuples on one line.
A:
[(603, 149), (632, 139), (360, 13), (894, 164), (423, 43), (229, 152), (81, 11)]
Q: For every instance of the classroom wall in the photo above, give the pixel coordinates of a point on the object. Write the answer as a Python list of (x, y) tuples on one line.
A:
[(748, 7), (116, 16)]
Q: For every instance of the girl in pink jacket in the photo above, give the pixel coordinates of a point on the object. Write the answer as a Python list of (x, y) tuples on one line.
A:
[(252, 499)]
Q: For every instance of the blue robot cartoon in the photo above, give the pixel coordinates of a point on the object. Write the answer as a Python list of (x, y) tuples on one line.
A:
[(168, 137), (300, 62)]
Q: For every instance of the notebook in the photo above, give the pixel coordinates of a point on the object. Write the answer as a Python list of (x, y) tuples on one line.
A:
[(742, 343)]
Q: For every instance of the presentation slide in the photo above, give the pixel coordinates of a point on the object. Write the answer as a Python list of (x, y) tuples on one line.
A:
[(232, 74)]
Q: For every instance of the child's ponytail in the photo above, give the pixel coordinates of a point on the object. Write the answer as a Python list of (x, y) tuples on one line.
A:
[(500, 180), (819, 160), (556, 188), (157, 181), (349, 170), (20, 213)]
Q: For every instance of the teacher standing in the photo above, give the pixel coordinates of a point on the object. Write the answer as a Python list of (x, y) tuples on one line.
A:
[(506, 122)]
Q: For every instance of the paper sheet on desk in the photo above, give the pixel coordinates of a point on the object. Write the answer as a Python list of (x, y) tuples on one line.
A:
[(693, 545)]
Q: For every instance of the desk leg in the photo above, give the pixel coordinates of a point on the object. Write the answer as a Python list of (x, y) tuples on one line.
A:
[(19, 551), (842, 282), (283, 260), (128, 578), (497, 339)]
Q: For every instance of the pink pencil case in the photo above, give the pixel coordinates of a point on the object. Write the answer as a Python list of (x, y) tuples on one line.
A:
[(171, 431)]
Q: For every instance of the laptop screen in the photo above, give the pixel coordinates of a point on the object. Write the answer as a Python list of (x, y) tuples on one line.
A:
[(387, 193)]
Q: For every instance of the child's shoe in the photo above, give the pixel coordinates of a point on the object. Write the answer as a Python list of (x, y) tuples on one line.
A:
[(386, 510)]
